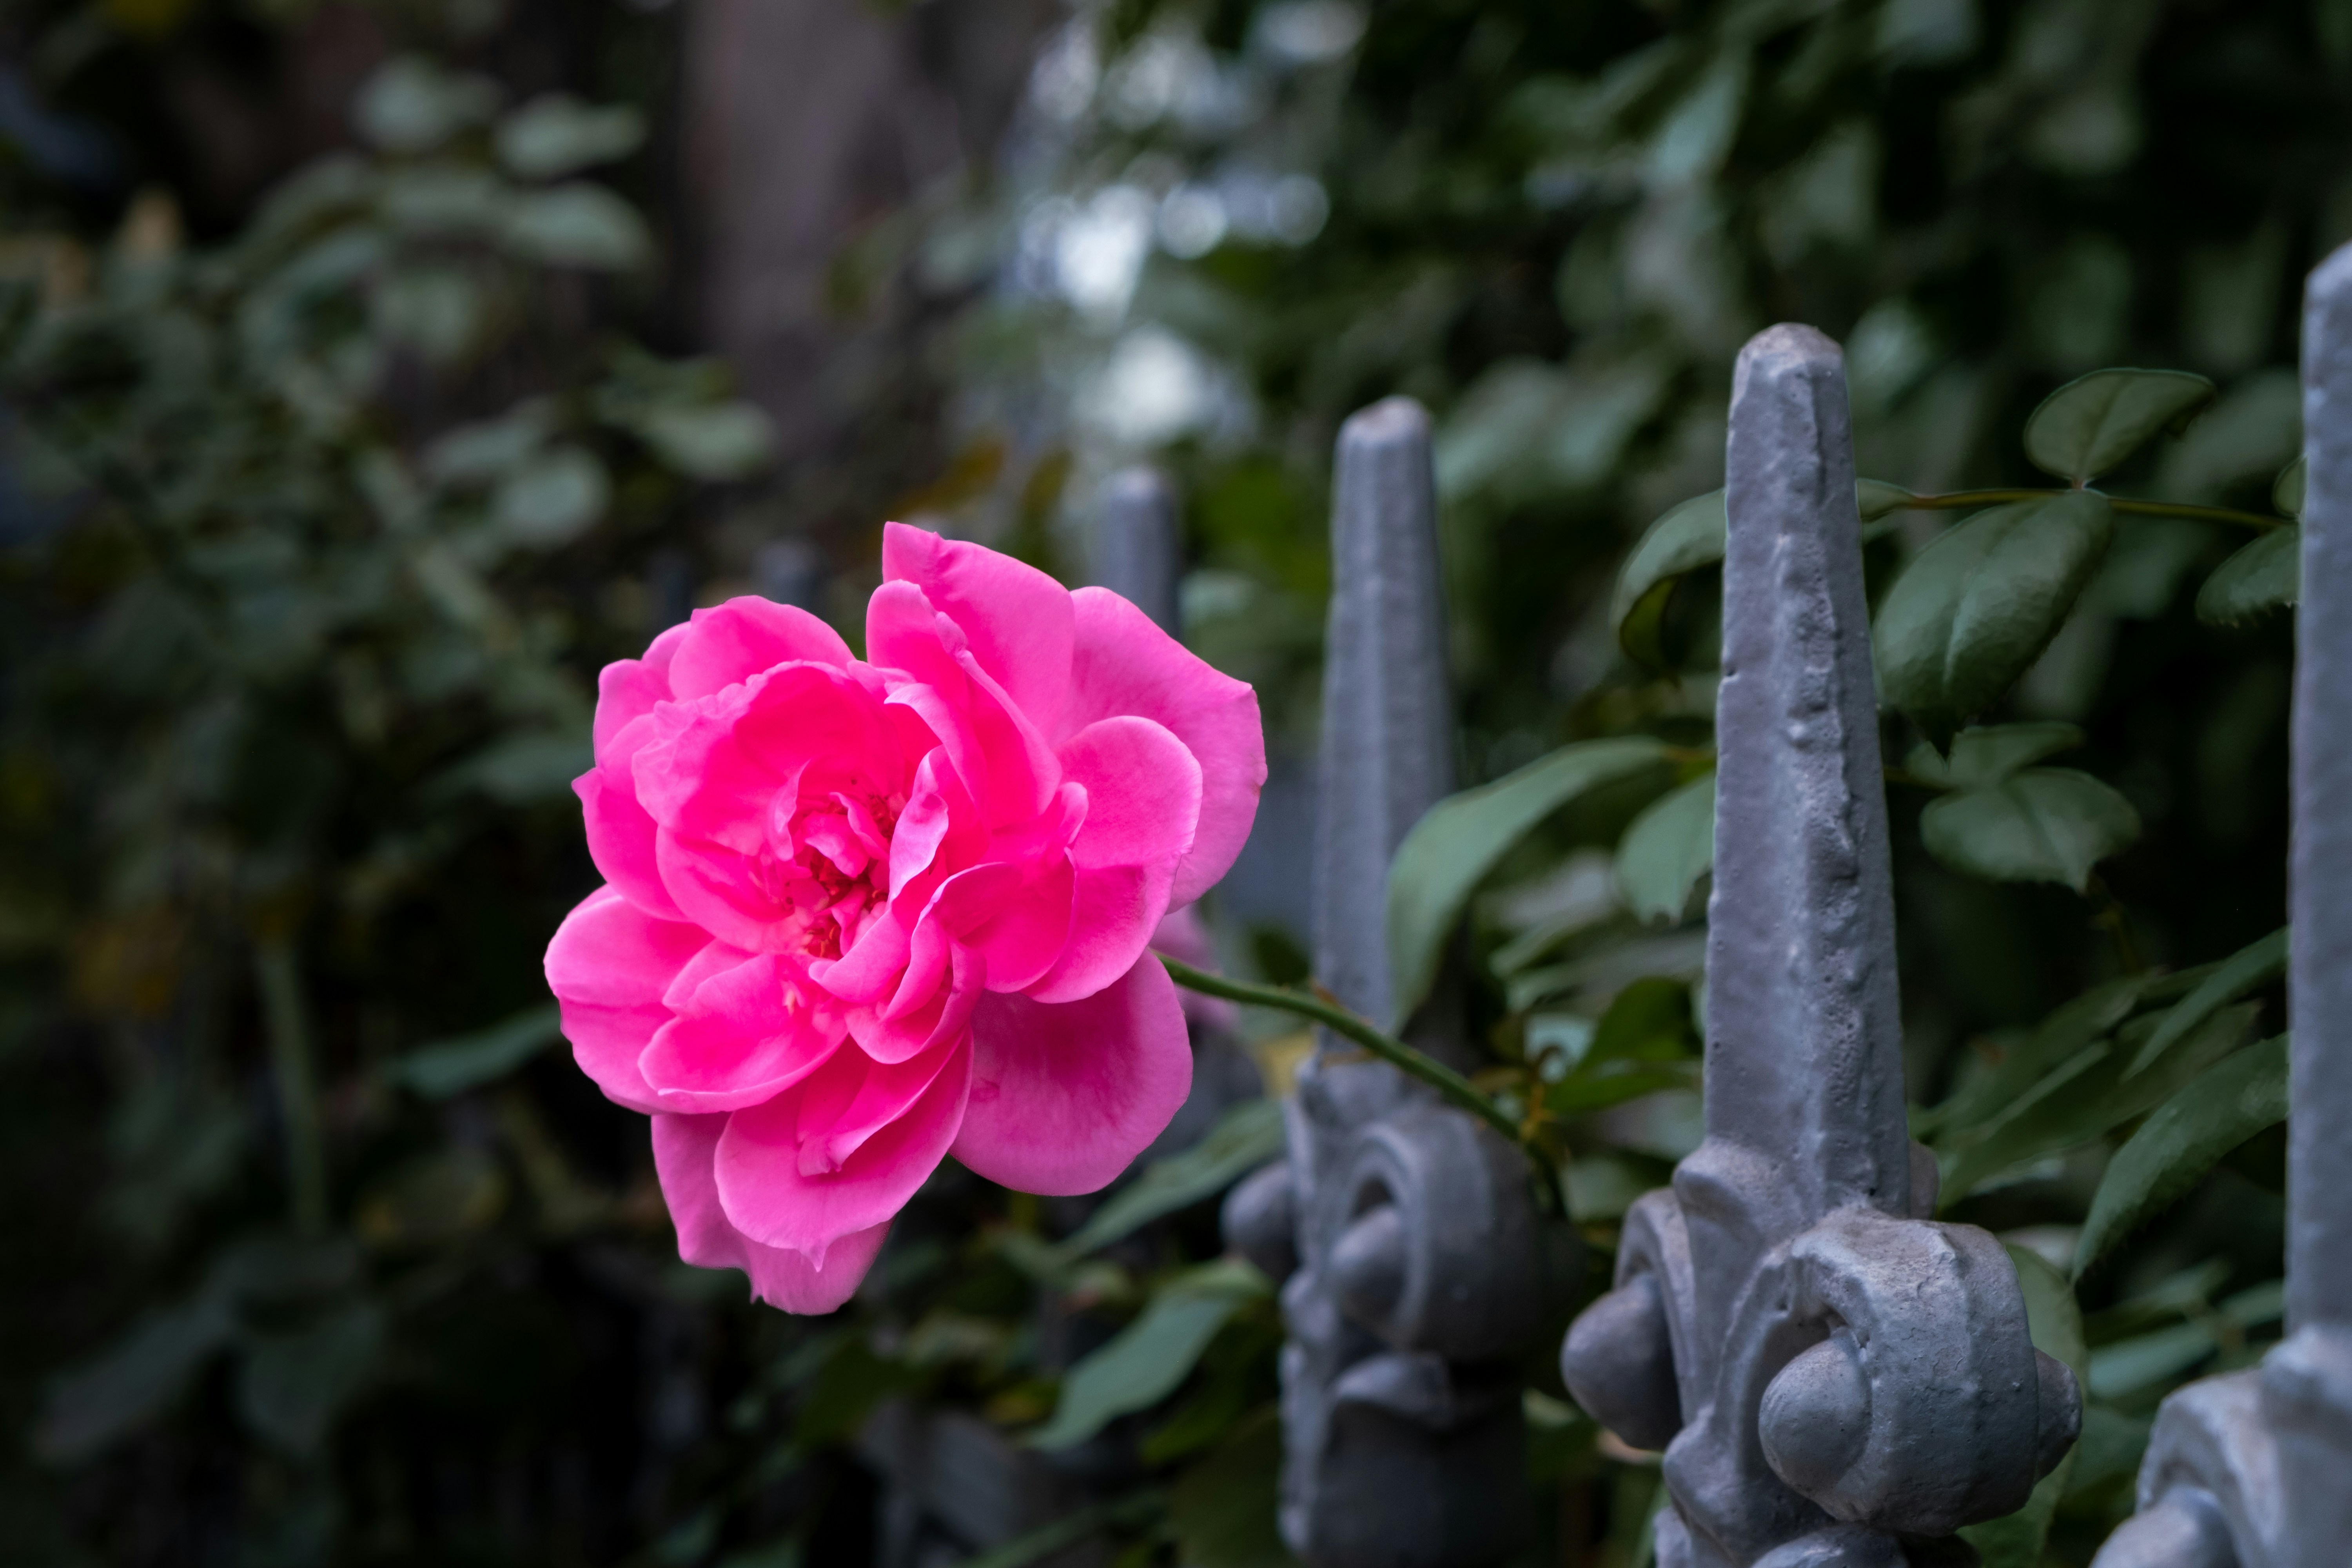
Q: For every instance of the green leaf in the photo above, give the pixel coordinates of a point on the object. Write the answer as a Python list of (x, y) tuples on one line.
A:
[(1666, 850), (1985, 755), (2055, 1323), (2244, 973), (1244, 1138), (135, 1381), (412, 105), (1646, 1042), (2044, 825), (558, 134), (2071, 1027), (2095, 421), (578, 225), (2286, 490), (292, 1385), (2147, 1360), (2086, 1098), (1146, 1360), (453, 1065), (1222, 1510), (489, 449), (1458, 841), (552, 498), (1686, 539), (2257, 578), (1649, 1021), (2184, 1139), (718, 441), (1977, 607)]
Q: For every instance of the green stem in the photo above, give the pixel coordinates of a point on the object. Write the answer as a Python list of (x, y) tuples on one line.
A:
[(1956, 501), (285, 1021), (1451, 1085)]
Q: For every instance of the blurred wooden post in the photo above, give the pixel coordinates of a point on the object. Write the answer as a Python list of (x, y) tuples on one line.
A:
[(2253, 1469), (1828, 1369), (1413, 1261)]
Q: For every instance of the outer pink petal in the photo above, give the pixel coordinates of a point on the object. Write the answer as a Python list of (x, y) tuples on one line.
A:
[(685, 1150), (1113, 913), (1022, 937), (608, 965), (1018, 620), (743, 636), (621, 842), (904, 633), (1124, 664), (627, 689), (738, 1040), (1063, 1098), (767, 1198), (1143, 793), (1021, 772)]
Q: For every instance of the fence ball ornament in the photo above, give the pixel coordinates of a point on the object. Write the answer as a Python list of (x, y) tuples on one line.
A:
[(2253, 1469), (1413, 1257), (1836, 1379)]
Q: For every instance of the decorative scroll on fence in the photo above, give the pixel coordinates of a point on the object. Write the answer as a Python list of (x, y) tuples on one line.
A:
[(1836, 1380), (1412, 1254), (2253, 1469)]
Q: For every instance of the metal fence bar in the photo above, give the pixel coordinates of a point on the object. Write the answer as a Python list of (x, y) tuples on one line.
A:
[(1135, 546), (1827, 1370), (1415, 1260), (2253, 1469)]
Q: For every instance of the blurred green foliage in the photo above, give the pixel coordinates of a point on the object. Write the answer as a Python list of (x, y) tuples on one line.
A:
[(317, 529)]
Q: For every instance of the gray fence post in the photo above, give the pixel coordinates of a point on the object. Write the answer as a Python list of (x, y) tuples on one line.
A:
[(1135, 547), (2253, 1469), (1827, 1369), (1412, 1251)]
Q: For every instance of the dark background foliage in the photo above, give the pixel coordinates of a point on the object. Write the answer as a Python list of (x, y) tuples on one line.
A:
[(356, 413)]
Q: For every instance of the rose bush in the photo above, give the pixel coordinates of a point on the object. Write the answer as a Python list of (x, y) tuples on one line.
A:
[(860, 914)]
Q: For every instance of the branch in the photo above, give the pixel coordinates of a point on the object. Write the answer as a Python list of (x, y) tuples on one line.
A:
[(1456, 1090), (1959, 501)]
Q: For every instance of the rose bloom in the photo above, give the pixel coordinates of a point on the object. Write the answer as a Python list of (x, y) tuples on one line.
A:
[(861, 914)]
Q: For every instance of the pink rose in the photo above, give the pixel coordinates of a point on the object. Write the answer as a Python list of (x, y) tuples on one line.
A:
[(861, 914)]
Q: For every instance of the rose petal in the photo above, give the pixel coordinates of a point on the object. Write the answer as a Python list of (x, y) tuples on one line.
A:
[(744, 636), (715, 767), (1143, 793), (904, 633), (1018, 620), (609, 965), (857, 1101), (767, 1198), (1064, 1097), (1122, 663), (870, 971), (621, 843), (743, 1037), (937, 1013), (1022, 770), (1023, 935), (627, 689), (1113, 913), (685, 1152)]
